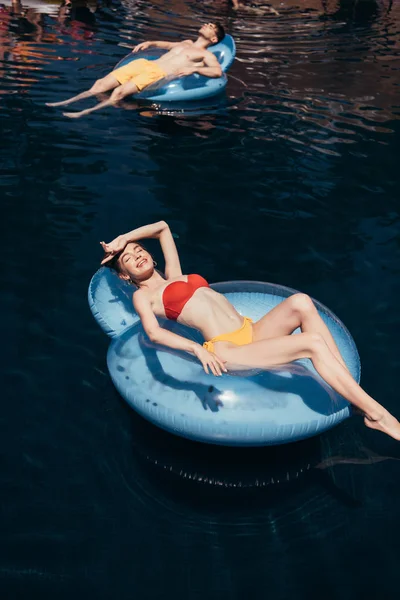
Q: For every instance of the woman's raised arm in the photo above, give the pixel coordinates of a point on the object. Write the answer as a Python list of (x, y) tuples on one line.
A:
[(160, 231)]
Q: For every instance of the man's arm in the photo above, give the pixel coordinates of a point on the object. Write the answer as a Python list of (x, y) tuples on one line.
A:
[(160, 44), (212, 67)]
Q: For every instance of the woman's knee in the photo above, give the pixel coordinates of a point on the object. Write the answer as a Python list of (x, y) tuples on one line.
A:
[(302, 304), (315, 343)]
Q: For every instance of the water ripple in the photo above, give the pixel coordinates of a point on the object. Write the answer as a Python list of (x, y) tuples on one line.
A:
[(311, 69), (289, 177)]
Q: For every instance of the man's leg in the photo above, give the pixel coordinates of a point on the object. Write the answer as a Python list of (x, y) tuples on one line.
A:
[(118, 94), (107, 83)]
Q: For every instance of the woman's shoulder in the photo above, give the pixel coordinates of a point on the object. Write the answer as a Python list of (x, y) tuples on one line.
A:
[(140, 296), (137, 294)]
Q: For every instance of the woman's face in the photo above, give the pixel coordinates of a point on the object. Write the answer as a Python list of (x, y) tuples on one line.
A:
[(135, 262)]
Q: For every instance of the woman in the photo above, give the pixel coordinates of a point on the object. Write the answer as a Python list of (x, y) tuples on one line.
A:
[(232, 339)]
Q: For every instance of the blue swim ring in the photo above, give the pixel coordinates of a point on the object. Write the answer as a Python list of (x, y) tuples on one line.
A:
[(193, 87), (171, 389)]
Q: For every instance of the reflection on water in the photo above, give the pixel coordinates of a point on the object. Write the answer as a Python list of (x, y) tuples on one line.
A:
[(311, 67), (292, 178), (247, 468)]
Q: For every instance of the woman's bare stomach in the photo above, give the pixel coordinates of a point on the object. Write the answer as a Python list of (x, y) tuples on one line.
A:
[(210, 313)]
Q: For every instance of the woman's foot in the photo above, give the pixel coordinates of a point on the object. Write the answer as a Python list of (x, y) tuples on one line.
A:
[(387, 423)]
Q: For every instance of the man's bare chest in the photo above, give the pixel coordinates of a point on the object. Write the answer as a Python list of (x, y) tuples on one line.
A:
[(187, 52)]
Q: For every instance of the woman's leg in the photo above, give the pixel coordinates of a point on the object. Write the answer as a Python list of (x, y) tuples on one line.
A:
[(296, 311), (279, 351), (118, 94), (100, 86)]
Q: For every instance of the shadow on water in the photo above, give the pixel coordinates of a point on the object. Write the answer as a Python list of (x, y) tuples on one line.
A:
[(223, 467), (265, 508), (229, 477), (207, 107)]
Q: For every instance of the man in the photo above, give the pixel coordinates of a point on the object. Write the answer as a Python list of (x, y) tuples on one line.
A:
[(182, 58)]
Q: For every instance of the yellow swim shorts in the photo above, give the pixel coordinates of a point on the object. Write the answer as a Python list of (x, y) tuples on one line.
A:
[(240, 337), (141, 72)]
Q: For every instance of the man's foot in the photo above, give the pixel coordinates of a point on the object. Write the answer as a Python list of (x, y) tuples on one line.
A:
[(57, 103), (387, 423), (74, 115)]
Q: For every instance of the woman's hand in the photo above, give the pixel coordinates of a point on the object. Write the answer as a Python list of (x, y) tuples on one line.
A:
[(209, 360), (111, 249)]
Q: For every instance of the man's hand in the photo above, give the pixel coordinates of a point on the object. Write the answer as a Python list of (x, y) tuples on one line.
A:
[(142, 46), (186, 71)]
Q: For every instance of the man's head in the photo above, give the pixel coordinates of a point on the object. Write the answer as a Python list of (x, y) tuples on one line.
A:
[(133, 263), (212, 32)]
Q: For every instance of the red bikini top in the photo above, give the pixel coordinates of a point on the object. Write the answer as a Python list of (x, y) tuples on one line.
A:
[(177, 293)]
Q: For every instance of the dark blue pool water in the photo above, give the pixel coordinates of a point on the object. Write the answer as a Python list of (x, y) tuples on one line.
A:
[(292, 177)]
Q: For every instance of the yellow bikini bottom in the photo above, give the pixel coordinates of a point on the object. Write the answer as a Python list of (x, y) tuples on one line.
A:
[(240, 337)]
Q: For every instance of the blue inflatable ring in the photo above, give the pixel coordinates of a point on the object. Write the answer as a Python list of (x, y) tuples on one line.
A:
[(193, 87), (171, 389)]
